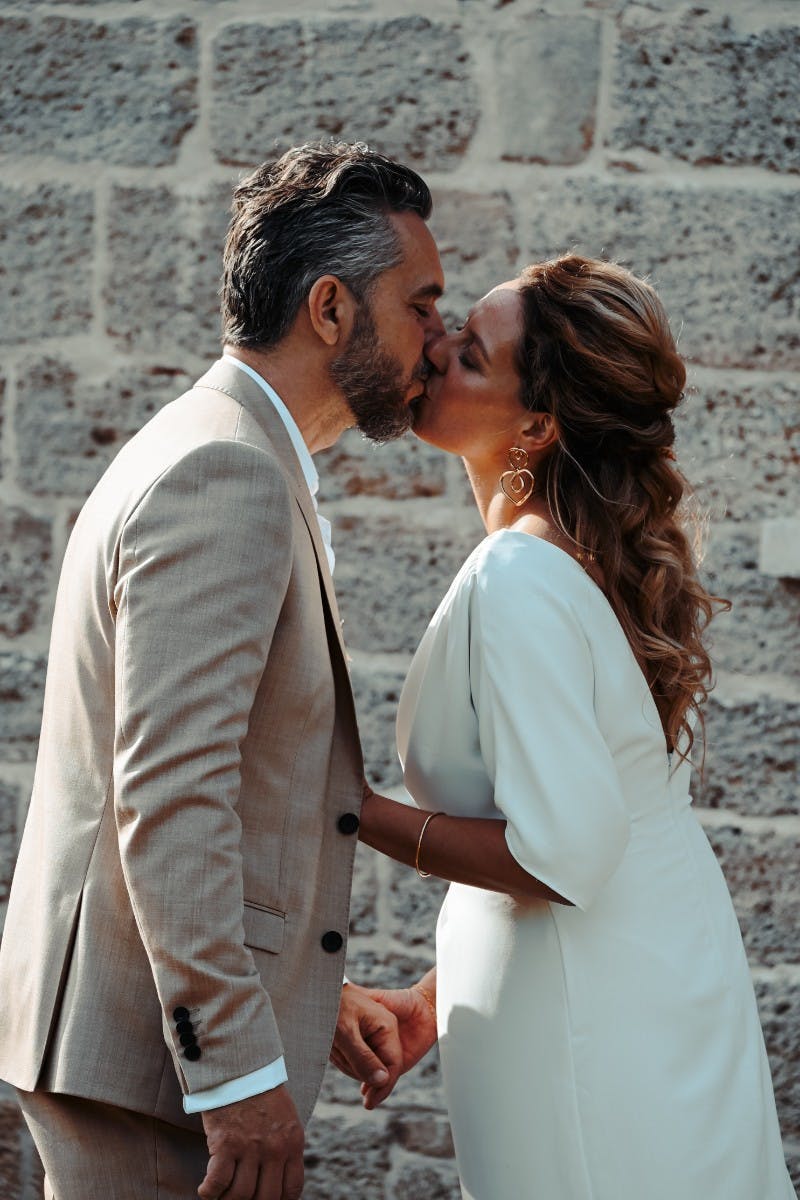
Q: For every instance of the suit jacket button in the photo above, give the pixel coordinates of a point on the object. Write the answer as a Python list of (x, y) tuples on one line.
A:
[(184, 1027), (180, 1013), (332, 941), (347, 823), (192, 1053), (188, 1039)]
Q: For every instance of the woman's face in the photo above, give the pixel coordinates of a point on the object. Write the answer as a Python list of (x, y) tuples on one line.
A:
[(472, 405)]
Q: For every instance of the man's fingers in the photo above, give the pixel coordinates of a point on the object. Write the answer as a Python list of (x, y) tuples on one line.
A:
[(219, 1173), (369, 1067), (293, 1178), (341, 1064), (245, 1181)]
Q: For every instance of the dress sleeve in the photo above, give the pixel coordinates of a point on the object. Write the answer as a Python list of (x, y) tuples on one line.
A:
[(532, 681)]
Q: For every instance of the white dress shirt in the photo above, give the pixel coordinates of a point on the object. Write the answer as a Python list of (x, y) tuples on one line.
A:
[(274, 1073)]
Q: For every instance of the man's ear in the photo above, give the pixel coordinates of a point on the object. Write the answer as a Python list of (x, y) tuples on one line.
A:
[(331, 310)]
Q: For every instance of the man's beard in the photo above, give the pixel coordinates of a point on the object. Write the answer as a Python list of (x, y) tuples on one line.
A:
[(372, 382)]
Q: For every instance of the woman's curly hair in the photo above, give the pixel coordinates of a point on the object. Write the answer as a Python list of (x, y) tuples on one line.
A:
[(598, 354)]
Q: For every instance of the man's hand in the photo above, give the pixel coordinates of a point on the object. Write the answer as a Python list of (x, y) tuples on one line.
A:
[(366, 1045), (417, 1028), (255, 1149)]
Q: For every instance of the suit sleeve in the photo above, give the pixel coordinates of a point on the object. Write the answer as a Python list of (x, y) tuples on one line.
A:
[(532, 680), (204, 565)]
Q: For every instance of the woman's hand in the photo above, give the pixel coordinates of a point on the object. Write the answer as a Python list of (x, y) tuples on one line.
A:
[(417, 1028)]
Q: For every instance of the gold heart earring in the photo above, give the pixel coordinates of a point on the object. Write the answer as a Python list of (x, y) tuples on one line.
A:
[(517, 483)]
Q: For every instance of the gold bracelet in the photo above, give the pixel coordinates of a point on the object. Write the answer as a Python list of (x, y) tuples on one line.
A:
[(426, 996), (424, 874)]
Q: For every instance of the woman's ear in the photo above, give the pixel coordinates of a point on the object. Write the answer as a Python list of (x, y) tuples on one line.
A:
[(331, 310), (539, 433)]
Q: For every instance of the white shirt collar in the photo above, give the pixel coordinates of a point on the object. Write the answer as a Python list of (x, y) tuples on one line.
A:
[(310, 473)]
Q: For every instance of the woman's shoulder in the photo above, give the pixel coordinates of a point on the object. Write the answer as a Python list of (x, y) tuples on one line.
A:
[(513, 558)]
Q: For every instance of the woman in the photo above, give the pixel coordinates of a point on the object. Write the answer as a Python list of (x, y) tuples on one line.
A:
[(597, 1023)]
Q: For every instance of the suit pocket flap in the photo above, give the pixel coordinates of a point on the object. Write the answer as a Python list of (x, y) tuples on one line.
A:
[(263, 928)]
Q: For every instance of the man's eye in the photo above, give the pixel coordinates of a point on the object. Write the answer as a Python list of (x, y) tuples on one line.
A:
[(422, 310)]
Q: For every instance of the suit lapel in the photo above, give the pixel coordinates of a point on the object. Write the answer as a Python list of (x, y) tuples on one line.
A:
[(225, 377)]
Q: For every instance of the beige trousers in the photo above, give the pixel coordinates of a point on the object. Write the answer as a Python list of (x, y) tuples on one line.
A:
[(96, 1151)]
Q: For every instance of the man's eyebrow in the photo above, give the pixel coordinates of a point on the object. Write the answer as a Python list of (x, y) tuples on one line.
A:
[(428, 291)]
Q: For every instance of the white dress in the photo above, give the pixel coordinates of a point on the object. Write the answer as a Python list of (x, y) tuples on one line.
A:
[(606, 1051)]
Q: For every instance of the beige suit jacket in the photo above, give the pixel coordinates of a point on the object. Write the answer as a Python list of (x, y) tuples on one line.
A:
[(184, 847)]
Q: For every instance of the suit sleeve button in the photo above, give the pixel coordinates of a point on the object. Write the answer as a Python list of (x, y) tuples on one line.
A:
[(192, 1053), (180, 1013), (347, 823), (332, 941), (188, 1039), (184, 1027)]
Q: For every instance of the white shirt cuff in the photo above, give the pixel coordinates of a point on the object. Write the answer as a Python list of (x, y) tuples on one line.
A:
[(262, 1080)]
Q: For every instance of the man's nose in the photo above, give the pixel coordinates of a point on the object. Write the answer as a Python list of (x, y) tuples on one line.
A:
[(434, 327), (436, 352)]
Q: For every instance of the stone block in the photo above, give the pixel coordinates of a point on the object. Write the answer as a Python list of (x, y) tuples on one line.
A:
[(739, 446), (122, 91), (392, 571), (401, 470), (25, 559), (722, 259), (165, 251), (751, 763), (478, 246), (11, 1125), (346, 1156), (70, 426), (392, 969), (423, 1133), (779, 548), (414, 905), (761, 869), (9, 804), (416, 1180), (403, 85), (707, 88), (762, 631), (46, 252), (363, 912), (779, 1009), (546, 72), (22, 676), (377, 692)]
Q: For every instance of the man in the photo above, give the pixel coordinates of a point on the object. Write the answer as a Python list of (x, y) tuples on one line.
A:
[(171, 969)]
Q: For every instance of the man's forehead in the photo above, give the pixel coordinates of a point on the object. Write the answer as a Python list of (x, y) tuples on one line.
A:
[(420, 268)]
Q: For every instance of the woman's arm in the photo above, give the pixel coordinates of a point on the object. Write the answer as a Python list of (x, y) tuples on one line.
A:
[(469, 850)]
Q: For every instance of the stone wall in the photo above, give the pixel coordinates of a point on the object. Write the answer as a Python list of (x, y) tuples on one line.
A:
[(663, 135)]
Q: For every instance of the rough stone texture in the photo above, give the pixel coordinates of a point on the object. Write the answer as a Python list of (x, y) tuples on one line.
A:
[(161, 290), (723, 260), (9, 805), (433, 1183), (377, 553), (547, 71), (779, 547), (363, 915), (21, 694), (122, 91), (46, 248), (343, 1161), (760, 869), (70, 426), (779, 1008), (762, 632), (401, 470), (25, 553), (276, 84), (708, 90), (10, 1130), (740, 447), (477, 244), (415, 906), (424, 1133), (751, 761), (377, 691)]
